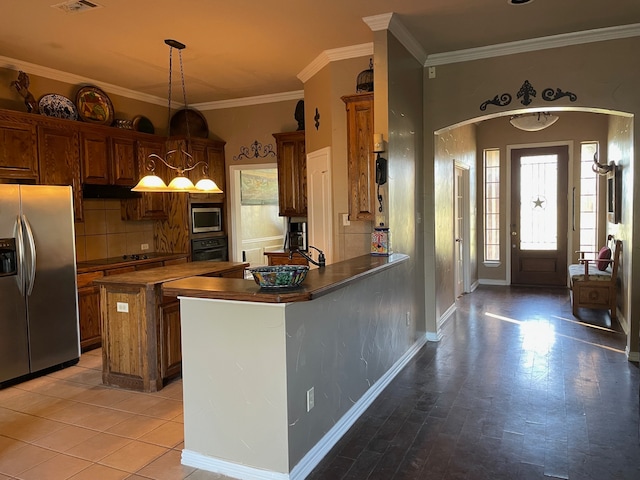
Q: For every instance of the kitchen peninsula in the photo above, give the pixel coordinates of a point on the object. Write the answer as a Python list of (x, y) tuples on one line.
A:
[(141, 347), (272, 379)]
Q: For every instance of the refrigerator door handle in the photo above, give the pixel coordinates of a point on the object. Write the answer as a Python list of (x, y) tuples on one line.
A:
[(32, 256), (17, 233)]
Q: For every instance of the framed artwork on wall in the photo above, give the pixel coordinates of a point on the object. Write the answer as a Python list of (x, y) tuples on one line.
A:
[(614, 200)]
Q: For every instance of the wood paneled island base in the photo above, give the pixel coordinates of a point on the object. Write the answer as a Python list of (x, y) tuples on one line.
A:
[(141, 341)]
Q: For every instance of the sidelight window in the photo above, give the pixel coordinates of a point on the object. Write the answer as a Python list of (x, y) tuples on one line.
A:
[(492, 205), (588, 198)]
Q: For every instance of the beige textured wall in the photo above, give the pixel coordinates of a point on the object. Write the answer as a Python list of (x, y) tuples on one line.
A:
[(620, 148), (498, 133), (598, 73), (400, 121), (455, 145), (324, 91)]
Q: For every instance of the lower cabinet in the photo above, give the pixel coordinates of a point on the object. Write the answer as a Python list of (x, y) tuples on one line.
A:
[(170, 340), (89, 300), (89, 311)]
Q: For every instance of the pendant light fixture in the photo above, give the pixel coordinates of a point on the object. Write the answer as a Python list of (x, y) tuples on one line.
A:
[(180, 183)]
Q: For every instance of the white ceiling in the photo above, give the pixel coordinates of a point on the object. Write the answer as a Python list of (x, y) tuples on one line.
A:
[(244, 48)]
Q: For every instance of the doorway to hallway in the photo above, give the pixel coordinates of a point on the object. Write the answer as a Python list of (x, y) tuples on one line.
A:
[(256, 226)]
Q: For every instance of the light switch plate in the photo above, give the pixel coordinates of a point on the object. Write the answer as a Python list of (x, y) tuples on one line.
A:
[(122, 307)]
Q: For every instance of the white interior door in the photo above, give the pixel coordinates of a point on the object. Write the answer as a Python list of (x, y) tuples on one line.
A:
[(319, 202), (461, 229)]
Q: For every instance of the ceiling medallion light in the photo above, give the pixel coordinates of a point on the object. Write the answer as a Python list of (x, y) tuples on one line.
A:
[(533, 122), (180, 183)]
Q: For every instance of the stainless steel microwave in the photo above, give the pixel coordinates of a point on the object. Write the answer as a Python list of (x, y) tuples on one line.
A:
[(206, 218)]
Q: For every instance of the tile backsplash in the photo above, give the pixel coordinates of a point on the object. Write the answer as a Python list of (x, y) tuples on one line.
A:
[(104, 234)]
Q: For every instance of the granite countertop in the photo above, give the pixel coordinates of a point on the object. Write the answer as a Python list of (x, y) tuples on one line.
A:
[(117, 262), (319, 281), (158, 275)]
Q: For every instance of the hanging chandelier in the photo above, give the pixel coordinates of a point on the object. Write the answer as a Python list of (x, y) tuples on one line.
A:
[(180, 183)]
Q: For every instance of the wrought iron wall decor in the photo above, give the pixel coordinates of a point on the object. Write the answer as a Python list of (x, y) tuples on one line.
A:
[(255, 150), (502, 101), (526, 94), (316, 117)]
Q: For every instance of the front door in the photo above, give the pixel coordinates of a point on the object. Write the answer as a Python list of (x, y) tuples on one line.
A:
[(539, 202)]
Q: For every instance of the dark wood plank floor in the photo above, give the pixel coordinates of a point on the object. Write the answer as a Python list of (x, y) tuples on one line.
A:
[(518, 388)]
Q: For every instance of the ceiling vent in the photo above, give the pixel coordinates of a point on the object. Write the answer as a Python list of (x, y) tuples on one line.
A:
[(76, 6)]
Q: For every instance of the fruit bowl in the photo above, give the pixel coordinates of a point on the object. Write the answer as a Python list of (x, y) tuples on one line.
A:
[(279, 276)]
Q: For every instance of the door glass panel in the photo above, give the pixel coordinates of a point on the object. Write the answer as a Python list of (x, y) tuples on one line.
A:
[(538, 202)]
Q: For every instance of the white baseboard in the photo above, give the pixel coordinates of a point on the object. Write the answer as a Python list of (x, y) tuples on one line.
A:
[(318, 452), (446, 316), (489, 281)]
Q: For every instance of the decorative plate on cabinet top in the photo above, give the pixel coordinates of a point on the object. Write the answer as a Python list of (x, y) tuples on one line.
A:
[(58, 106), (94, 106), (143, 124)]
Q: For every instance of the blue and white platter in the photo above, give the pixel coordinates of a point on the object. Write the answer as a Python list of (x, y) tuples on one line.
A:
[(59, 106)]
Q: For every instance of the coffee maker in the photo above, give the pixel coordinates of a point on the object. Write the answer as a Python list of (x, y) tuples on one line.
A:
[(297, 235)]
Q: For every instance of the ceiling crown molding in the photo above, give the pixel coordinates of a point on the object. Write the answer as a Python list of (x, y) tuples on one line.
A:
[(72, 79), (328, 56), (391, 22), (248, 101), (534, 44)]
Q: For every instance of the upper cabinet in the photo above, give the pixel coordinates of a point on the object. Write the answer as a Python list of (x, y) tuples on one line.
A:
[(108, 159), (211, 152), (292, 174), (150, 206), (18, 152), (360, 156), (59, 157)]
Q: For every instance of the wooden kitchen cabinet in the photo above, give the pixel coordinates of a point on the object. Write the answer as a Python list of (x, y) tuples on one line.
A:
[(107, 160), (150, 206), (292, 174), (170, 341), (89, 310), (141, 348), (282, 258), (59, 160), (360, 156), (211, 152), (18, 152), (89, 298)]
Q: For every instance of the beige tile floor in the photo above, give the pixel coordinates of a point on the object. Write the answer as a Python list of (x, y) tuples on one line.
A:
[(67, 425)]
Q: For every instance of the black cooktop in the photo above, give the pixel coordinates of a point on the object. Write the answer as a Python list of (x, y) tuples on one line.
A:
[(124, 258)]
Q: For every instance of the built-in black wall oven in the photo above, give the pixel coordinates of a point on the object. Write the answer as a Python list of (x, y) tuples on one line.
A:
[(211, 248)]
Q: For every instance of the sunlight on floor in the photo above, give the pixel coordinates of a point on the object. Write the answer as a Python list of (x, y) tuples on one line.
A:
[(539, 336)]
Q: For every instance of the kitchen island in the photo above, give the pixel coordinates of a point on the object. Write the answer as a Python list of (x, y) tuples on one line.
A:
[(273, 379), (141, 346)]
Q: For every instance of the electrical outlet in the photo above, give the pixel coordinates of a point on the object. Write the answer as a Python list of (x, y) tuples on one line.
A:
[(408, 318), (144, 246), (122, 307), (310, 399), (432, 72)]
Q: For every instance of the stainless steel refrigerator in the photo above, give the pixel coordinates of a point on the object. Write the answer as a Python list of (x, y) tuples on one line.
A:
[(38, 298)]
